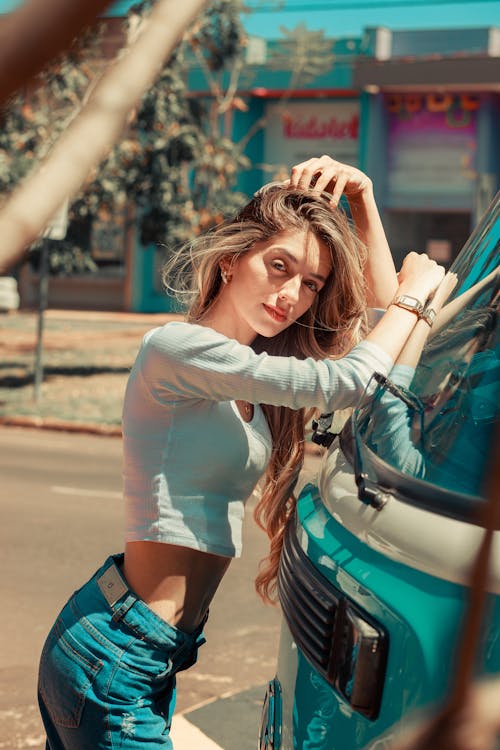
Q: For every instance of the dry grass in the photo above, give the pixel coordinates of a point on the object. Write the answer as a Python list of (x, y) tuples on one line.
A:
[(86, 363)]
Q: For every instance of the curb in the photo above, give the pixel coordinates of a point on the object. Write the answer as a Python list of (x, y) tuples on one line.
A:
[(185, 735), (94, 429), (61, 425)]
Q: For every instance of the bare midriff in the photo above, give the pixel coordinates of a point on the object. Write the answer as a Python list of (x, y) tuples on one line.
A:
[(177, 583)]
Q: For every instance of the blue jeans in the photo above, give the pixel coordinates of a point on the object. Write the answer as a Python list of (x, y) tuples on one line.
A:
[(107, 670)]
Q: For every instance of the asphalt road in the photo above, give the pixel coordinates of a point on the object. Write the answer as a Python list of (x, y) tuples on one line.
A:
[(61, 517)]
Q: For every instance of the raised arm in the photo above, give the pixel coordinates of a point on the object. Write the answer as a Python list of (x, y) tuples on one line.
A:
[(410, 353), (419, 276), (392, 419), (324, 174)]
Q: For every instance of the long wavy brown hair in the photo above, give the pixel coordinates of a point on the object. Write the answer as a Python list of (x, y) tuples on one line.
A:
[(328, 329)]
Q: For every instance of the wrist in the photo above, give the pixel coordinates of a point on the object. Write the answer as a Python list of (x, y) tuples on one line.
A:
[(408, 302), (413, 305), (365, 195), (412, 290)]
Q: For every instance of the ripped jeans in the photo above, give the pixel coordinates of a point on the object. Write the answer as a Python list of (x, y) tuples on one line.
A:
[(108, 666)]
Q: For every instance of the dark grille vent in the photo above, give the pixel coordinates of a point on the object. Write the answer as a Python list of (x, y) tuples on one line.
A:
[(309, 605), (344, 644)]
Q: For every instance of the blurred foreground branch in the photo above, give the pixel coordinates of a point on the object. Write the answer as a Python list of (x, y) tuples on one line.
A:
[(35, 33), (94, 130)]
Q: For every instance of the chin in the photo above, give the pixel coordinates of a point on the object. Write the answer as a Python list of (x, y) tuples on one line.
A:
[(270, 332), (269, 328)]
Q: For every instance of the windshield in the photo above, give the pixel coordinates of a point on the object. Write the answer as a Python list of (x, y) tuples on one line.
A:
[(440, 427)]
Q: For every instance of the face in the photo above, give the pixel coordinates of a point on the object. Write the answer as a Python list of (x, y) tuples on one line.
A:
[(274, 284)]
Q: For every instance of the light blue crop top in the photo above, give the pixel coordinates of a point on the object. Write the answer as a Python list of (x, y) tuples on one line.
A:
[(190, 462)]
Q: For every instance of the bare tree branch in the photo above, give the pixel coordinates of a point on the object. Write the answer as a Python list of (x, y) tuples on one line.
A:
[(36, 32), (90, 136), (479, 575)]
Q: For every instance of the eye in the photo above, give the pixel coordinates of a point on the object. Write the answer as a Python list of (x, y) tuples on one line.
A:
[(312, 286), (278, 265)]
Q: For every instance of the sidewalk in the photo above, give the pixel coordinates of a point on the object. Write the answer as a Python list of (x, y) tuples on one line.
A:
[(87, 356)]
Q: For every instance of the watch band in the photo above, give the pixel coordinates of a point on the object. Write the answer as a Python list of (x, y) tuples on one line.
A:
[(406, 302)]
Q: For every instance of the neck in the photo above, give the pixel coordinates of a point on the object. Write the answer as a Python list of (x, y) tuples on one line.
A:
[(227, 322)]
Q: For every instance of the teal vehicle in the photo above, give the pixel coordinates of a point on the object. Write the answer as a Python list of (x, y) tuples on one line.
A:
[(375, 565)]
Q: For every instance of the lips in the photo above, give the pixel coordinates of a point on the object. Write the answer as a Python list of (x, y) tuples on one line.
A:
[(275, 313)]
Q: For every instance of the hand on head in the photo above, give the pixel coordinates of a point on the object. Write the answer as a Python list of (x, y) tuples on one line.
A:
[(325, 175)]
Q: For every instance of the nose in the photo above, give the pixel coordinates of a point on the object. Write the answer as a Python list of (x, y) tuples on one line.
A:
[(291, 290)]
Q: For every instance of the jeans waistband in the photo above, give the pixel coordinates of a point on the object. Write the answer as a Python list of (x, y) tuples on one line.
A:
[(128, 607)]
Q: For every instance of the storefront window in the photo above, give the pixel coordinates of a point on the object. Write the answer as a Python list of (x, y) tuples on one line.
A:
[(439, 234), (431, 151)]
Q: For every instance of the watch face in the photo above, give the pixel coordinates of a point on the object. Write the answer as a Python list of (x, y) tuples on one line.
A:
[(411, 303)]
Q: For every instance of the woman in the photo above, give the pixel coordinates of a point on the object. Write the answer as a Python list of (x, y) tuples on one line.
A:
[(277, 308)]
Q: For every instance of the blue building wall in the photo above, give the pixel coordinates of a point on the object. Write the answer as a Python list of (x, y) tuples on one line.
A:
[(373, 142)]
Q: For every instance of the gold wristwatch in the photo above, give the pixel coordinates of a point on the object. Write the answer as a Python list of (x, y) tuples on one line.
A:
[(407, 302)]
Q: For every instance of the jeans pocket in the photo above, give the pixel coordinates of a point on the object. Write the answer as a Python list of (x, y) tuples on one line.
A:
[(67, 671)]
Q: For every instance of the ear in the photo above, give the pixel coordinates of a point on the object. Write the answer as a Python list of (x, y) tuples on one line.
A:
[(225, 266), (226, 278)]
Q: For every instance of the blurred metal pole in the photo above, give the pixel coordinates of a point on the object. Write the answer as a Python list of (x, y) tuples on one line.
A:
[(43, 293)]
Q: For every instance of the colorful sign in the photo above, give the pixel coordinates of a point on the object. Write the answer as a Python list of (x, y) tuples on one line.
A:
[(431, 151), (297, 131)]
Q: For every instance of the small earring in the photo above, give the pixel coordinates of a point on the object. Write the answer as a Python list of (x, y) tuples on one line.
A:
[(224, 276)]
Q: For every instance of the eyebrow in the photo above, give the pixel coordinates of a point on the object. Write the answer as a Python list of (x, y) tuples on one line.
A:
[(292, 257)]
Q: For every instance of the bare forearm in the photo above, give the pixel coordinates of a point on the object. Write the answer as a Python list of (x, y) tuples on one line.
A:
[(412, 350), (392, 331), (401, 333), (381, 278)]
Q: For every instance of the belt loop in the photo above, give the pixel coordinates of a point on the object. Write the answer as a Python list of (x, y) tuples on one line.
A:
[(124, 607)]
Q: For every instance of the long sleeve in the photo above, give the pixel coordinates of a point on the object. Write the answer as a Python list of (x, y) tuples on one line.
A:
[(391, 428), (183, 360)]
